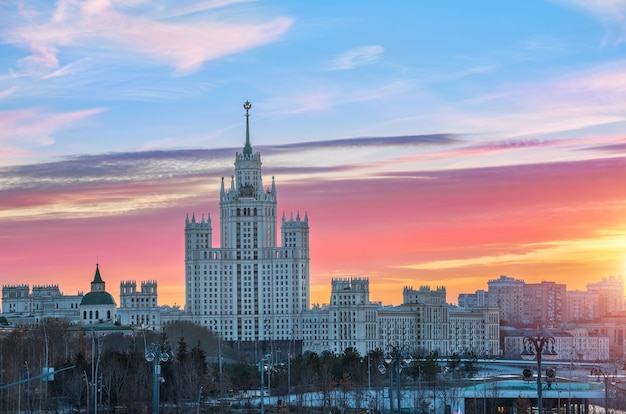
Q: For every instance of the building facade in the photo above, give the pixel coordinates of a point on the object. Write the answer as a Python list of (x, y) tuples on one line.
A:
[(250, 288), (507, 294), (477, 299), (582, 306), (544, 304), (423, 324), (139, 308), (352, 318), (21, 305), (611, 293), (98, 306), (474, 331)]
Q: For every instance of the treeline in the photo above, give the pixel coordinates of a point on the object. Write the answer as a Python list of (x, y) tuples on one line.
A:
[(111, 372)]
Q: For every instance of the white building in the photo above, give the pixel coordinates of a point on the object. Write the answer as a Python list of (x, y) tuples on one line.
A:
[(352, 318), (250, 288), (424, 323), (22, 306), (315, 332), (139, 308), (431, 313), (475, 330), (98, 306)]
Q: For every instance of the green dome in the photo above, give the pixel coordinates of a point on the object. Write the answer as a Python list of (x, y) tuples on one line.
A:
[(97, 298)]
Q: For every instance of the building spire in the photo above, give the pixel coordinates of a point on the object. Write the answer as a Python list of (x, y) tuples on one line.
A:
[(247, 149)]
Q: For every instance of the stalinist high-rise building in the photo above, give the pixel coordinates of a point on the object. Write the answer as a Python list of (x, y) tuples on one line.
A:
[(250, 290)]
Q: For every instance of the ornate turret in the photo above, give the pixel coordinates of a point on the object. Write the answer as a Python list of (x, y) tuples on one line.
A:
[(97, 285), (98, 294)]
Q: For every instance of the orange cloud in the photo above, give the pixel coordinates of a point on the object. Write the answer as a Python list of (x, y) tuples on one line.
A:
[(558, 221)]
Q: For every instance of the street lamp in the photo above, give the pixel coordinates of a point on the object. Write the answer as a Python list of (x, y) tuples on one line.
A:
[(290, 355), (395, 358), (599, 372), (540, 346), (156, 354), (262, 368)]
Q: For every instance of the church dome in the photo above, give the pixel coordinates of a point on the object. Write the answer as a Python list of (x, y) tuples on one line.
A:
[(97, 298), (98, 294)]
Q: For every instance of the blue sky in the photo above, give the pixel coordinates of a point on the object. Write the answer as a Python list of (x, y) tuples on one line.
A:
[(100, 76), (100, 94)]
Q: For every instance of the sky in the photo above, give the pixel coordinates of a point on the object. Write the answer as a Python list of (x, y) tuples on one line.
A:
[(429, 143)]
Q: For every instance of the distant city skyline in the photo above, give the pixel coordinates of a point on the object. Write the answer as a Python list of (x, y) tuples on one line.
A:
[(428, 144)]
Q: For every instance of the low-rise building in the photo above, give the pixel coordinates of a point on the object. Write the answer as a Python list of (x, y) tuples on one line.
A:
[(424, 323), (98, 306), (21, 306), (139, 308)]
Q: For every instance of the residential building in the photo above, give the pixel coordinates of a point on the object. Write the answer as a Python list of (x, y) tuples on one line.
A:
[(430, 329), (507, 294), (251, 290), (474, 331), (611, 292), (544, 304), (22, 306), (477, 299), (582, 306), (424, 323), (352, 320), (139, 308)]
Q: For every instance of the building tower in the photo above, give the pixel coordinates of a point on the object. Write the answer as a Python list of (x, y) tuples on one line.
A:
[(507, 294), (16, 299), (139, 308), (611, 292), (249, 290), (98, 306), (352, 316)]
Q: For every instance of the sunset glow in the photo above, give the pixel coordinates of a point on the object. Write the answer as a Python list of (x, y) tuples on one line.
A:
[(489, 142)]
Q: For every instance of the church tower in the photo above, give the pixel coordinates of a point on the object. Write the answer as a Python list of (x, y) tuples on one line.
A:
[(249, 290)]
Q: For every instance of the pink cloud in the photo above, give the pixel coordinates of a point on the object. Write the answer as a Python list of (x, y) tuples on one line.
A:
[(372, 226), (33, 125), (96, 24)]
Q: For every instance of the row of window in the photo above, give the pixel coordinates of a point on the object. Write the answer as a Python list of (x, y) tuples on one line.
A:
[(91, 314)]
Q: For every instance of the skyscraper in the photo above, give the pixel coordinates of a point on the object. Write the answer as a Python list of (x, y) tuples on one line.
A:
[(249, 290)]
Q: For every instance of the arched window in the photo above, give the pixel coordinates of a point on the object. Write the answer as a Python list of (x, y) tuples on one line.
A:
[(84, 314), (108, 314), (97, 314), (90, 314)]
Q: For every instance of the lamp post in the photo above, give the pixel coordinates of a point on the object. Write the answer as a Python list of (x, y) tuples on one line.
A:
[(290, 355), (156, 354), (600, 373), (262, 368), (397, 360), (539, 346)]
